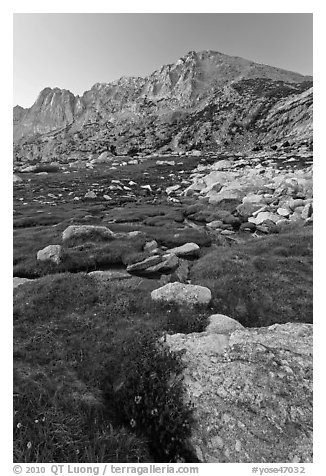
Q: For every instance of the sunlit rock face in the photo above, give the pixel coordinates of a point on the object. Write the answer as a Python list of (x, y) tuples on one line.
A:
[(204, 100)]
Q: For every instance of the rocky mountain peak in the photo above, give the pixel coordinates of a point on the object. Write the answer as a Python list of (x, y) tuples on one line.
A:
[(205, 96)]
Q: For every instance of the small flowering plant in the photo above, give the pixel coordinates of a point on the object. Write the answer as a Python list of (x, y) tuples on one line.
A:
[(150, 401)]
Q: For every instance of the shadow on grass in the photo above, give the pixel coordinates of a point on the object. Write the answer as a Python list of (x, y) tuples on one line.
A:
[(73, 338)]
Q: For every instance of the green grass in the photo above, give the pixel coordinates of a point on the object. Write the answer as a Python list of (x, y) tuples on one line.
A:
[(85, 349), (261, 282), (93, 252), (73, 338), (86, 257)]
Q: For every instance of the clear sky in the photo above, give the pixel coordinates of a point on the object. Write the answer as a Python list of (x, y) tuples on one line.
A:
[(75, 51)]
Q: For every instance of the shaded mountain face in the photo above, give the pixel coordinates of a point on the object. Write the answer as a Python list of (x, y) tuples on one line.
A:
[(204, 100)]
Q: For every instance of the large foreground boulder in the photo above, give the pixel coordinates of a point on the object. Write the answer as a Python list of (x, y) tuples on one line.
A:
[(182, 294), (252, 391)]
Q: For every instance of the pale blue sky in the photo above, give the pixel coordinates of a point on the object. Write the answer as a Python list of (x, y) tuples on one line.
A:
[(75, 51)]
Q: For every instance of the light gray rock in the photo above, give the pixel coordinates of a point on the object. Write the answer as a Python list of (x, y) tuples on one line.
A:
[(172, 189), (294, 203), (220, 324), (19, 281), (165, 162), (197, 186), (109, 275), (217, 197), (144, 264), (283, 212), (182, 294), (222, 165), (264, 216), (90, 194), (29, 168), (168, 265), (307, 211), (252, 392), (188, 249), (50, 253), (248, 208), (16, 178), (151, 246), (87, 231), (105, 157), (215, 224), (227, 232), (254, 198)]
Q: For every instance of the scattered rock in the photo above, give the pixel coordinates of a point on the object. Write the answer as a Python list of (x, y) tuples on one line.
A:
[(151, 246), (182, 294), (248, 208), (221, 165), (168, 265), (20, 281), (172, 189), (227, 232), (284, 212), (109, 275), (146, 263), (29, 168), (103, 158), (307, 211), (294, 203), (90, 194), (186, 250), (215, 224), (264, 216), (50, 253), (220, 324), (87, 231)]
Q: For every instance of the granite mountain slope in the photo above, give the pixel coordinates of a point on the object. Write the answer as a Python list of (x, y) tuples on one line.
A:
[(204, 100)]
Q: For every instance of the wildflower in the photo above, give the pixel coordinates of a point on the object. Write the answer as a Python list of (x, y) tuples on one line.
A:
[(132, 423), (138, 399), (29, 445), (43, 419), (154, 412), (19, 425), (35, 421)]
